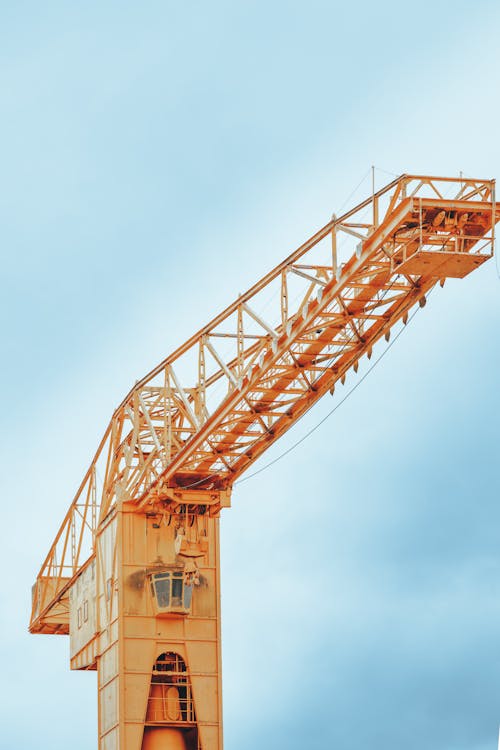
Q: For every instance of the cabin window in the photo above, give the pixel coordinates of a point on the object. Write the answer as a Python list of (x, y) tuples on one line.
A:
[(170, 593), (188, 594), (162, 588)]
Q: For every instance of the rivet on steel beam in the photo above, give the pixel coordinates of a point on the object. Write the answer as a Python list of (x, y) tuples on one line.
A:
[(387, 335), (422, 301), (405, 318)]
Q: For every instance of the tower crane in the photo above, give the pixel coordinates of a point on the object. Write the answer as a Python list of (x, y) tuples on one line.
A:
[(133, 573)]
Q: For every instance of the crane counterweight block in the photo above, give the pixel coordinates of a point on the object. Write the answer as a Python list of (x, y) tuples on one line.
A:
[(133, 573)]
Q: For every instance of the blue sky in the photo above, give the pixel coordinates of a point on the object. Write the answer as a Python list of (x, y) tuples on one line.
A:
[(156, 160)]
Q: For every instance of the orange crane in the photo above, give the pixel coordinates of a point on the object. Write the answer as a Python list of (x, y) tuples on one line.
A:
[(133, 573)]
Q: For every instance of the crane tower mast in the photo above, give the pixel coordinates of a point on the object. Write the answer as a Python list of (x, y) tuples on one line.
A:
[(133, 573)]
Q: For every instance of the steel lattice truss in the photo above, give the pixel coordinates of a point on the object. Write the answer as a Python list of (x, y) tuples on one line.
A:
[(204, 414)]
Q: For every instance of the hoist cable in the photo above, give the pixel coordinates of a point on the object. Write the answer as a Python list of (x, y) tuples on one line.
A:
[(332, 411)]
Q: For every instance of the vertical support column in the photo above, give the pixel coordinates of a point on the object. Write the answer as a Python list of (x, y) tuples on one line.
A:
[(374, 201), (493, 216), (135, 631), (334, 247)]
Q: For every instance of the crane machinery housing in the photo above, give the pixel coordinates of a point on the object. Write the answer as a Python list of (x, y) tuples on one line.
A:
[(133, 573)]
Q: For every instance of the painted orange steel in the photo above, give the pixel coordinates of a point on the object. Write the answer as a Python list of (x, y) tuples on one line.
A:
[(133, 574)]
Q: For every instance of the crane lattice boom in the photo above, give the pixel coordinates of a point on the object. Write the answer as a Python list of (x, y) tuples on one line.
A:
[(204, 414), (133, 573)]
